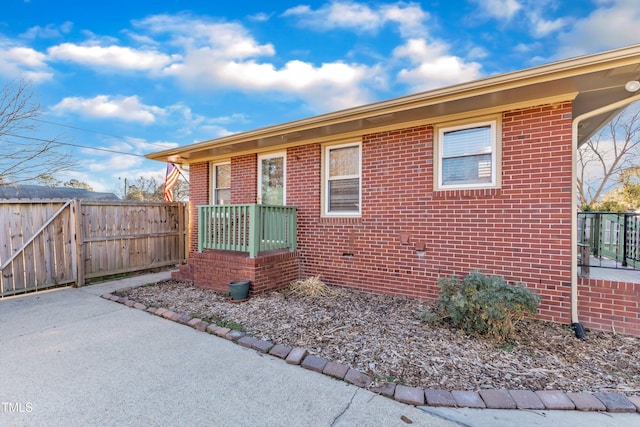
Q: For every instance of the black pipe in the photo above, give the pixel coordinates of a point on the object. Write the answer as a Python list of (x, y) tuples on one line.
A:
[(579, 330)]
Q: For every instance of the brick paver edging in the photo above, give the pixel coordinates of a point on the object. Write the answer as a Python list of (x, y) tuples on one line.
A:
[(493, 399)]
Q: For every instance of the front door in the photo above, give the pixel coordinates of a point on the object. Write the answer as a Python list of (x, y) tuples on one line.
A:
[(271, 179)]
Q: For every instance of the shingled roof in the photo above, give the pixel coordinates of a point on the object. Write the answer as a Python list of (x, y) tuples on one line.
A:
[(14, 191)]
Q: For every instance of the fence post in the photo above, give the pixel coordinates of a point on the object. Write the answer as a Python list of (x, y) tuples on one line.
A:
[(182, 253), (78, 236), (293, 228), (189, 226), (597, 236), (255, 227), (584, 259), (201, 228)]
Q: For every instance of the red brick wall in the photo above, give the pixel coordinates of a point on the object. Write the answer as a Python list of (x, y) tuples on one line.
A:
[(609, 305), (244, 179), (520, 231)]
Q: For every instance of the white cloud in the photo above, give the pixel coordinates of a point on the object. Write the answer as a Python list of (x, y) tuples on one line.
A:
[(430, 66), (477, 52), (102, 106), (359, 17), (114, 57), (140, 146), (212, 132), (223, 55), (146, 146), (499, 9), (16, 61), (84, 176), (233, 118), (433, 66), (47, 32), (530, 14), (118, 166), (613, 24), (260, 17), (141, 39), (331, 85), (25, 57), (337, 15), (543, 27), (294, 76), (230, 40), (114, 162)]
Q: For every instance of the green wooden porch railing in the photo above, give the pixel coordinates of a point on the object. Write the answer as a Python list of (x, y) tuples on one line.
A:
[(247, 228)]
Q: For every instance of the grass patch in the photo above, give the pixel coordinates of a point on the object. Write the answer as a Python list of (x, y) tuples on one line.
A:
[(223, 323)]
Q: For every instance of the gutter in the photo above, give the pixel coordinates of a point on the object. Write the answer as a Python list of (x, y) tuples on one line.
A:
[(575, 322)]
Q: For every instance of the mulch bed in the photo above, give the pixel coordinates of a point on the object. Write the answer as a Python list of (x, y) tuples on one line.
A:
[(383, 337)]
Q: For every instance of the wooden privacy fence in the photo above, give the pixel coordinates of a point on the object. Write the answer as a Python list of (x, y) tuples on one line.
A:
[(46, 243)]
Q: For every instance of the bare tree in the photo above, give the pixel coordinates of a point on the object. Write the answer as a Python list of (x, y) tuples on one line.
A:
[(603, 159), (143, 189), (24, 156), (152, 190), (74, 183), (180, 190)]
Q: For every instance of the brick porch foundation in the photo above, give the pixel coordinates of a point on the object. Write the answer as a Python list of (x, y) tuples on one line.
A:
[(609, 305), (213, 269)]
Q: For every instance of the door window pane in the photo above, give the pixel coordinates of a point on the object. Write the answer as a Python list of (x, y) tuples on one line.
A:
[(272, 181), (222, 184)]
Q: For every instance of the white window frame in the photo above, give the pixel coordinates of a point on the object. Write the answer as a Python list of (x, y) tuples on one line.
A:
[(439, 133), (325, 180), (214, 184)]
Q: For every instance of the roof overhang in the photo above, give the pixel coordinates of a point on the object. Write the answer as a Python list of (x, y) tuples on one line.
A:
[(589, 82)]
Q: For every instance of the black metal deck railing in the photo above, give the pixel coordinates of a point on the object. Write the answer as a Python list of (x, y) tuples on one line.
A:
[(611, 235)]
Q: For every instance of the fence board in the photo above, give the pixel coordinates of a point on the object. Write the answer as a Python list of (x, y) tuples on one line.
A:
[(85, 239)]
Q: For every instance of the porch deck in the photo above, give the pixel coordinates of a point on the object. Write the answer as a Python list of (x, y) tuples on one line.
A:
[(607, 269)]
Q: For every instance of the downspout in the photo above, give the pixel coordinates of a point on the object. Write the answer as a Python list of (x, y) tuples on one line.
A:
[(575, 322)]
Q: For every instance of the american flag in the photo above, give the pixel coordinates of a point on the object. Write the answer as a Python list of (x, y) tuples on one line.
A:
[(170, 180)]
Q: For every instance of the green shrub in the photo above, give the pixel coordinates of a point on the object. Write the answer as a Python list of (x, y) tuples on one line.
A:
[(428, 316), (486, 304)]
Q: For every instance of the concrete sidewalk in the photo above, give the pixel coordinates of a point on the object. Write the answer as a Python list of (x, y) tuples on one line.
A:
[(72, 358)]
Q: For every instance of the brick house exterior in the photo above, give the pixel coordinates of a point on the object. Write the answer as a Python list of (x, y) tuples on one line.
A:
[(410, 230)]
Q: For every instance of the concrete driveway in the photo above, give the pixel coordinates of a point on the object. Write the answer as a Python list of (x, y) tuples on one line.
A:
[(69, 357)]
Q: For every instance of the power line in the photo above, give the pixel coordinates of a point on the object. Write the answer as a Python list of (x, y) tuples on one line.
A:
[(74, 145), (97, 132)]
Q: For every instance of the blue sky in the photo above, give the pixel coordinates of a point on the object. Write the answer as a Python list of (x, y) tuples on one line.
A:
[(141, 76)]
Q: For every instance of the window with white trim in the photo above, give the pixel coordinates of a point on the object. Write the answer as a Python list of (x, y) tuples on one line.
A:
[(221, 183), (342, 180), (467, 156)]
